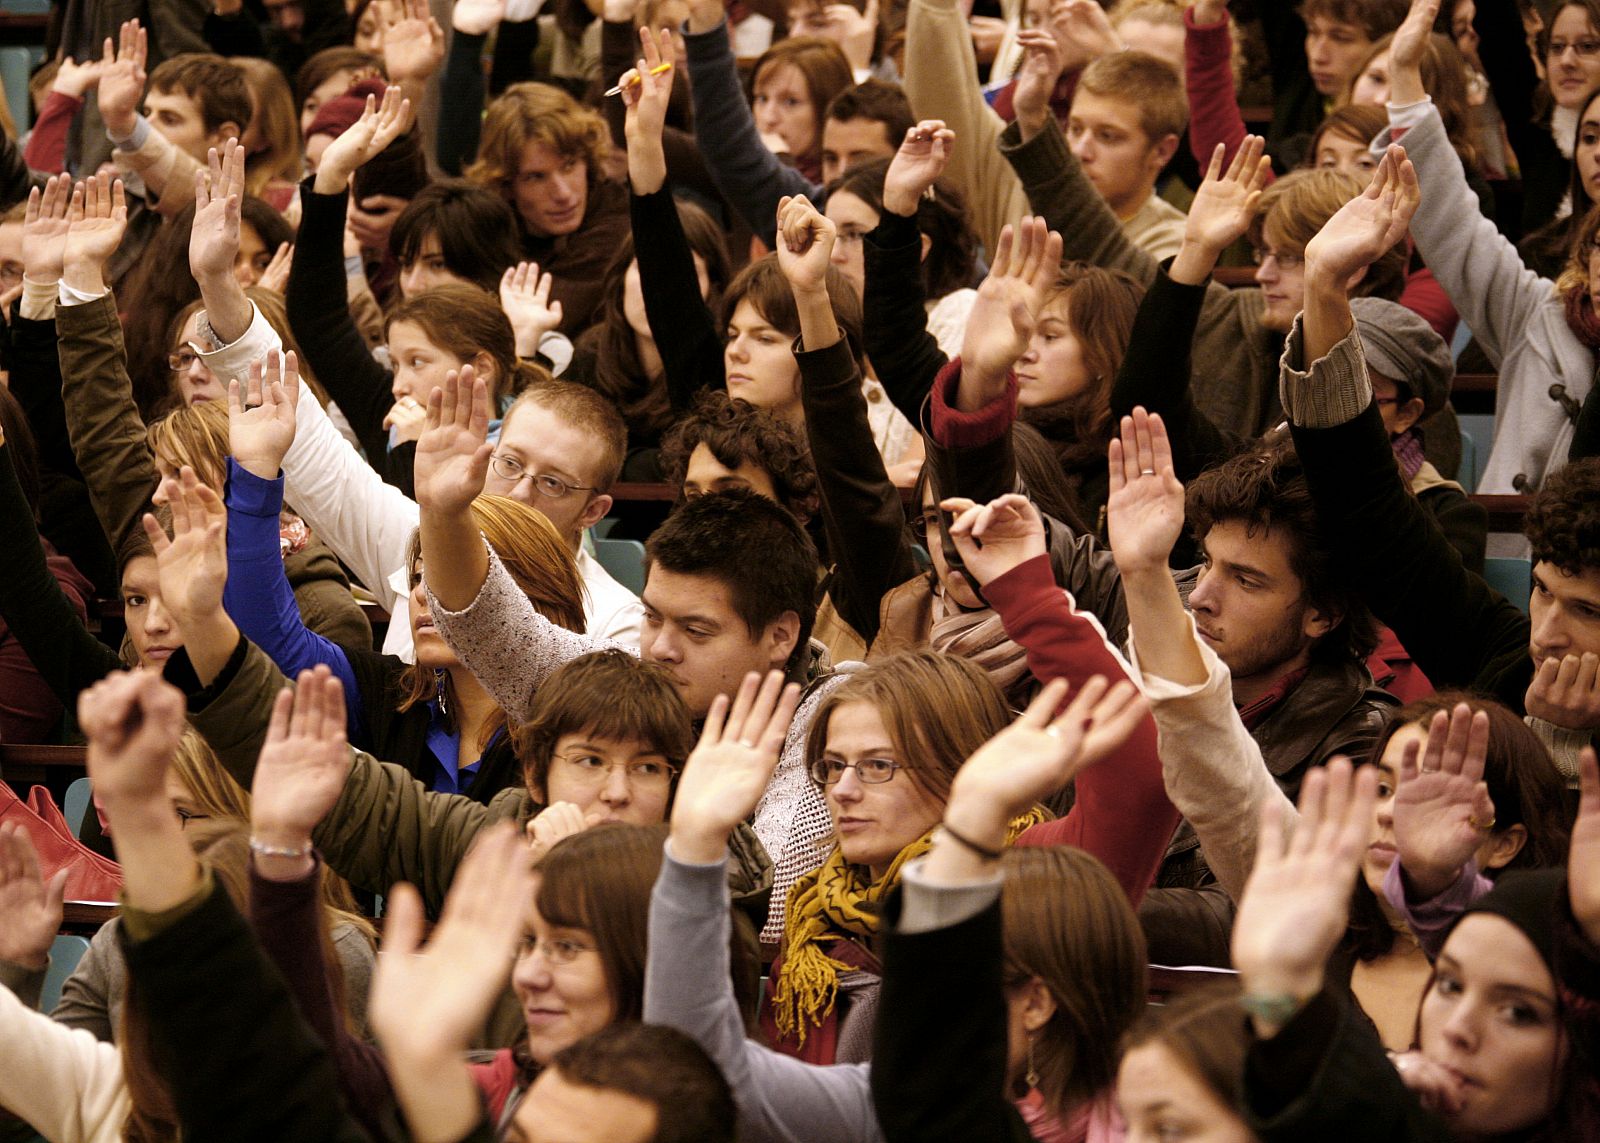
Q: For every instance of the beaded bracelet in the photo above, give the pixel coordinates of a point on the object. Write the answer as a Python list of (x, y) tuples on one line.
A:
[(278, 850)]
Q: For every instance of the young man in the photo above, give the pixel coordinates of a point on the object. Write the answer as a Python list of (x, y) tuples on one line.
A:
[(862, 123), (731, 581), (195, 102), (631, 1083), (724, 444), (454, 231), (1128, 114), (545, 154), (1460, 632)]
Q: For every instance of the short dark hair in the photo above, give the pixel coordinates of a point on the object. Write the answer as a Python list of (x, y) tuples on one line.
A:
[(660, 1066), (1563, 523), (736, 431), (953, 246), (476, 228), (327, 63), (1265, 489), (217, 87), (753, 545), (1377, 18), (611, 694), (877, 100)]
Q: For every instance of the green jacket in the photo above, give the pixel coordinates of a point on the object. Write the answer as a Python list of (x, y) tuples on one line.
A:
[(387, 826), (112, 447)]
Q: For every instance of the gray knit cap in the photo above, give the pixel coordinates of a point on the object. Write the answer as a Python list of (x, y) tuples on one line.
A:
[(1403, 347)]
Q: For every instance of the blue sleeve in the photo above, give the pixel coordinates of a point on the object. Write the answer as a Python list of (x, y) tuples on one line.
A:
[(749, 176), (258, 597)]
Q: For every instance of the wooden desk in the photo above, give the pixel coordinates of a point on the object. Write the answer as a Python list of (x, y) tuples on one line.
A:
[(1505, 512), (52, 766), (1163, 983), (1473, 393), (84, 918)]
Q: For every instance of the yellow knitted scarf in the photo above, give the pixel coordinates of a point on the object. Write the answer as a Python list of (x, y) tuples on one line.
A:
[(833, 903)]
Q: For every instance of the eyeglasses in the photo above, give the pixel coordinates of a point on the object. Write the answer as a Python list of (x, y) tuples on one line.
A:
[(869, 771), (181, 360), (1585, 48), (933, 520), (187, 816), (643, 773), (557, 950), (1259, 256), (510, 468)]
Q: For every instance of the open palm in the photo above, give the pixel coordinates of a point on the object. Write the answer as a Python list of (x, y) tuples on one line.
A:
[(1226, 202), (192, 565), (452, 458), (261, 418), (44, 229), (97, 218), (304, 760), (1442, 809), (1144, 512), (1369, 224), (1007, 308)]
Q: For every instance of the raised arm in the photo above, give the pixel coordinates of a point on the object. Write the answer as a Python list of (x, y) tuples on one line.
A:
[(905, 356), (165, 171), (429, 1003), (937, 1080), (257, 595), (1155, 373), (315, 300), (683, 327), (461, 87), (748, 174), (193, 567), (1121, 813)]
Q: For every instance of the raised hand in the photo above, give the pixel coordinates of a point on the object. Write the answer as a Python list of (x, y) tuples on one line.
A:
[(74, 79), (1296, 905), (380, 124), (525, 298), (1026, 262), (218, 191), (122, 79), (1566, 691), (1083, 30), (995, 537), (805, 238), (1410, 39), (731, 766), (133, 722), (276, 276), (30, 909), (453, 452), (261, 417), (1037, 76), (97, 218), (44, 230), (556, 822), (303, 763), (1040, 753), (478, 17), (193, 565), (1583, 859), (1209, 13), (1226, 203), (1365, 227), (413, 43), (1144, 512), (645, 96), (1442, 808), (428, 1002), (855, 32), (916, 166)]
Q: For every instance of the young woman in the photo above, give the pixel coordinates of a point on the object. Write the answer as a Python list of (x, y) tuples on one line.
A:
[(272, 142), (618, 355), (1060, 1047), (754, 355), (430, 716), (1182, 1068), (790, 89), (1506, 1016), (1548, 250), (1541, 338), (439, 330)]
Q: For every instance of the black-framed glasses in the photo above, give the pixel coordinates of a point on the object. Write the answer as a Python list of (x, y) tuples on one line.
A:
[(1586, 49), (869, 771), (643, 773), (510, 468), (934, 521), (187, 816)]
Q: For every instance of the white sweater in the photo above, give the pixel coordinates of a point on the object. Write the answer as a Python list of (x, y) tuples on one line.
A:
[(61, 1080)]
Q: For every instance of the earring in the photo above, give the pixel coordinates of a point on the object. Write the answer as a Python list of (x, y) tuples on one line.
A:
[(440, 694), (1032, 1077)]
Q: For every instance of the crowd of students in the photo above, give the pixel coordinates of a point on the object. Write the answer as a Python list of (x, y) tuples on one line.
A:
[(1038, 600)]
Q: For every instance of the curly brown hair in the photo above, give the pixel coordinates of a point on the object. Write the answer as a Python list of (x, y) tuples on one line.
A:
[(1563, 523), (736, 431)]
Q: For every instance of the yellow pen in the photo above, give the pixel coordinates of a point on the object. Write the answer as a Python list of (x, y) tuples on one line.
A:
[(659, 69)]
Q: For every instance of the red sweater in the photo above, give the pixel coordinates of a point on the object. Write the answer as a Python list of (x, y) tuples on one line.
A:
[(47, 142)]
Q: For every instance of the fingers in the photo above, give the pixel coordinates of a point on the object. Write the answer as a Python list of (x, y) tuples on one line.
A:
[(402, 922), (1588, 785), (743, 700), (278, 723)]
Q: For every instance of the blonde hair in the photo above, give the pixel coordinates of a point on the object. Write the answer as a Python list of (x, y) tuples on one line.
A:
[(197, 436), (1150, 84), (277, 118)]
